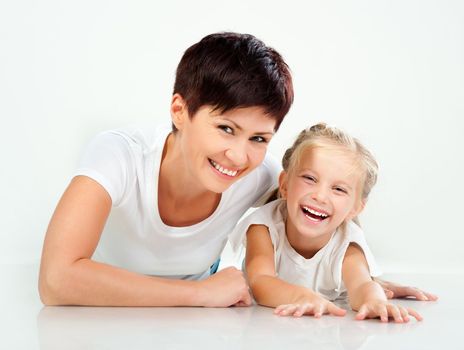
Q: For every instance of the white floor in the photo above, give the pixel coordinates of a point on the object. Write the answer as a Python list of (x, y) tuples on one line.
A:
[(26, 324)]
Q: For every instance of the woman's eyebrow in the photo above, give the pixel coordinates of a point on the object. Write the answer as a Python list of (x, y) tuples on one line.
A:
[(241, 129)]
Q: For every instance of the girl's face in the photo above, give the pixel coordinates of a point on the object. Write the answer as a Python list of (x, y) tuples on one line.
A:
[(219, 149), (321, 193)]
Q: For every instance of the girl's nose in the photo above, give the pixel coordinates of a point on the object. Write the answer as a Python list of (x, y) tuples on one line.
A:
[(319, 194)]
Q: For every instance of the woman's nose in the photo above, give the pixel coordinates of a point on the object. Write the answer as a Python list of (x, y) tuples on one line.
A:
[(238, 154)]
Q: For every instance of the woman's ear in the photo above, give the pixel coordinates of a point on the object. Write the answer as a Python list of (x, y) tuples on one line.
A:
[(179, 111), (283, 179)]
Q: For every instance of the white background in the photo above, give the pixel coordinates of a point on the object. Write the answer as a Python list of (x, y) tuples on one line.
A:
[(389, 72)]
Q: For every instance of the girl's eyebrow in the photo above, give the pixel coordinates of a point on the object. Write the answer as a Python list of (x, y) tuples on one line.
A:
[(344, 184), (241, 129)]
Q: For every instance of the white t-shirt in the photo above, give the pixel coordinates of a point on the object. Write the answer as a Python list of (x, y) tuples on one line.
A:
[(126, 162), (321, 273)]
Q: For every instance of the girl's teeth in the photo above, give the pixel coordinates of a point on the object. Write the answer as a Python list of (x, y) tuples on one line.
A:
[(316, 212), (312, 219)]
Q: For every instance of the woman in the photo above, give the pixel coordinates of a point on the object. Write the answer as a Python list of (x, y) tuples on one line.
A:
[(147, 215)]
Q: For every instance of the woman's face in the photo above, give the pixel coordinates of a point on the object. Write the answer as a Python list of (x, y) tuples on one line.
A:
[(220, 148)]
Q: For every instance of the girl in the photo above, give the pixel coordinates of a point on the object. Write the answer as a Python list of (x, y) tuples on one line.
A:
[(304, 249)]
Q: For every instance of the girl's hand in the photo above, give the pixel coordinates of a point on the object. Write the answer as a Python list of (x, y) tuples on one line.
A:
[(312, 304), (394, 290), (385, 310)]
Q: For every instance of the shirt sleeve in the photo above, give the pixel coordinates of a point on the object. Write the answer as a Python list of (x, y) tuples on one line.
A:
[(108, 160)]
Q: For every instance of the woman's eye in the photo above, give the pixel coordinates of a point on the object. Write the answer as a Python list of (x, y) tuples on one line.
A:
[(227, 129), (259, 139), (340, 190)]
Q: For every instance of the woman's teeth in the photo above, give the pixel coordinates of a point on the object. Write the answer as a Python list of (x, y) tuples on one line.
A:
[(223, 170)]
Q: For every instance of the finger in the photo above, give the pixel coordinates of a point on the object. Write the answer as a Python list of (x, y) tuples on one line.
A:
[(394, 312), (302, 309), (289, 310), (414, 314), (383, 313), (318, 310), (389, 293), (246, 298), (335, 310), (278, 309), (241, 304), (431, 296), (417, 294), (362, 313), (404, 313), (282, 308)]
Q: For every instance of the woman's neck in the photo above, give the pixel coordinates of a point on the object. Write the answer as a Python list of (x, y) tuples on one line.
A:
[(174, 175), (181, 201)]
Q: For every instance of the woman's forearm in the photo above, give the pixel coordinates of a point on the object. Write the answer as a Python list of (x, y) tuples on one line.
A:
[(86, 282)]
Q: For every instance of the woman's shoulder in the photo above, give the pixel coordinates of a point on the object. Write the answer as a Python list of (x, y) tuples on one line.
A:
[(145, 137)]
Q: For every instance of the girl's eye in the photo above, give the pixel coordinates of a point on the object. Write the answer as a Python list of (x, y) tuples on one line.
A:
[(309, 178), (259, 139), (227, 129), (340, 190)]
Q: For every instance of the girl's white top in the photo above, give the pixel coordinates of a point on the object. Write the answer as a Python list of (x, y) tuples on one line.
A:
[(321, 273), (126, 162)]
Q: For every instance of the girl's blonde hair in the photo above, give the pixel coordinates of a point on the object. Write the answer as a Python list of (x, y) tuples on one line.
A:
[(324, 136), (328, 137)]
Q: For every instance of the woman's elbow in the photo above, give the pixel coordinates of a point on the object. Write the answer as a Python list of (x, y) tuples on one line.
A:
[(51, 287)]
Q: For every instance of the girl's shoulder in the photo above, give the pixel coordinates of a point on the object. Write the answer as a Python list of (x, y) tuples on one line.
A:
[(271, 215)]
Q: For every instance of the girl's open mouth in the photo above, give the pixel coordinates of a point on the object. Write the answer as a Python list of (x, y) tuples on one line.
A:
[(314, 215)]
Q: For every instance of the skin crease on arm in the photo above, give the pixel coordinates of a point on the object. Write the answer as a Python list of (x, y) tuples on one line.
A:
[(69, 277), (270, 290)]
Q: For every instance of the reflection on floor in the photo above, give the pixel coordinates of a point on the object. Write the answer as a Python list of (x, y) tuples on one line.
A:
[(25, 323)]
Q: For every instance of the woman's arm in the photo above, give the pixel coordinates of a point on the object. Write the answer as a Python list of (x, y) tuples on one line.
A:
[(366, 296), (395, 290), (269, 290), (68, 276)]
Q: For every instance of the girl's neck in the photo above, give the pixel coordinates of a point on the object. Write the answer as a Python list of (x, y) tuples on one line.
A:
[(307, 247)]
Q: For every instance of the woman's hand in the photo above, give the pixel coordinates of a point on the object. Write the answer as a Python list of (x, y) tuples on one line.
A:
[(311, 304), (384, 310), (225, 288), (395, 290)]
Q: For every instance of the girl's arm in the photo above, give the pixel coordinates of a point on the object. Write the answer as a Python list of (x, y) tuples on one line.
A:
[(269, 290), (68, 276), (366, 296)]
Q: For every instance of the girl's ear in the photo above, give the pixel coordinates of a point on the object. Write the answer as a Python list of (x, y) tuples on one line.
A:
[(179, 111), (283, 179), (357, 209)]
